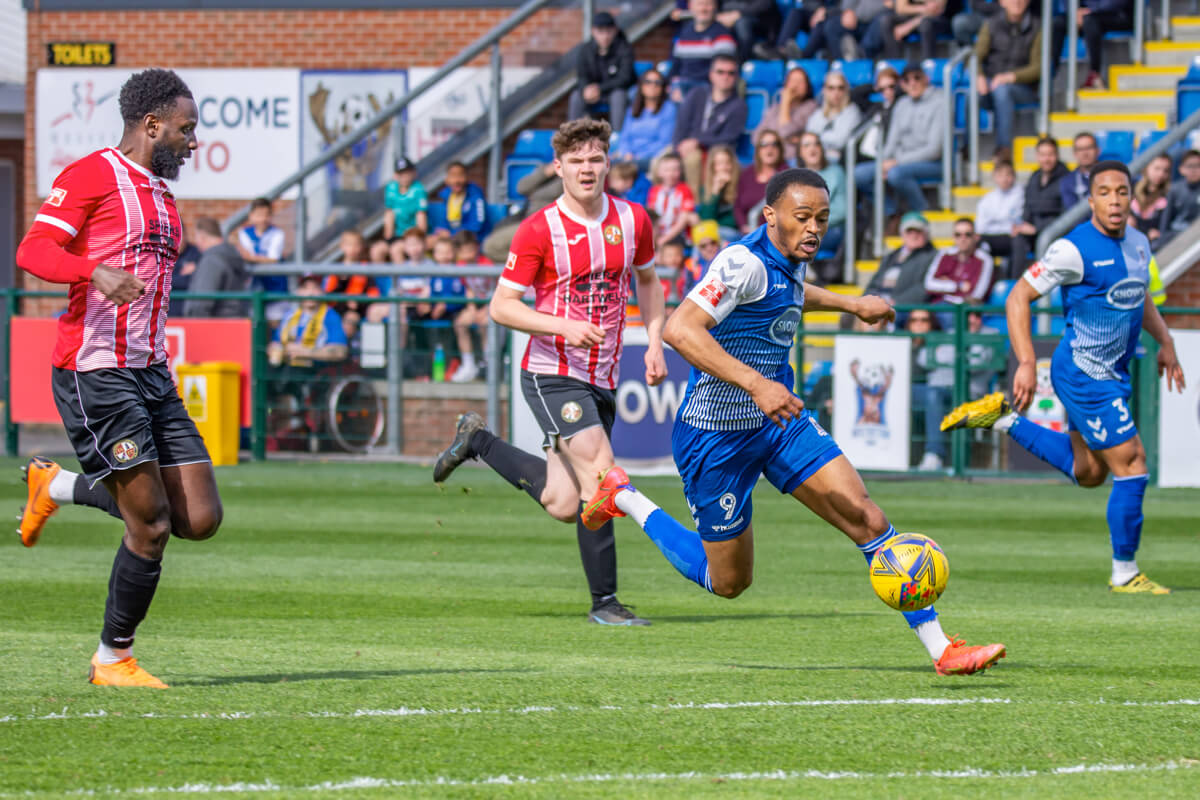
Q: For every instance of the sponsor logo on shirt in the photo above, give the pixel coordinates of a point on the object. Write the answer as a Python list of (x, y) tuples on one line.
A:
[(574, 240), (511, 263), (783, 329), (713, 291), (1037, 269), (613, 235), (57, 195), (1127, 294)]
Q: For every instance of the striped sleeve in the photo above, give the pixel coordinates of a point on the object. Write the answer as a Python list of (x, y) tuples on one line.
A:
[(75, 194)]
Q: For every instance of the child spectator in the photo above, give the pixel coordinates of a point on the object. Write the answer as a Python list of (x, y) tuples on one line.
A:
[(626, 181), (448, 295), (474, 314), (673, 257), (466, 206), (1001, 211), (404, 200), (671, 198), (1150, 196), (707, 236), (261, 242), (353, 249), (720, 190)]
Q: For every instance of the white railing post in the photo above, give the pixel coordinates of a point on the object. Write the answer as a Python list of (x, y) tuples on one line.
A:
[(1072, 51), (1046, 83)]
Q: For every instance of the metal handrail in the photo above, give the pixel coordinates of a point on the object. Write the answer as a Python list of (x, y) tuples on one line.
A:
[(1046, 82), (948, 132), (850, 240), (524, 12), (1072, 51), (1136, 50), (1165, 23), (1077, 212)]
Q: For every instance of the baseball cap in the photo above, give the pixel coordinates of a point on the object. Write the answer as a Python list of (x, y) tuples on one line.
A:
[(603, 19), (912, 68), (706, 230), (914, 220), (402, 164)]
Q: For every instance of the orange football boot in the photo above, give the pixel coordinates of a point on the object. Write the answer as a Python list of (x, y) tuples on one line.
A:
[(38, 506), (960, 659), (601, 508), (125, 672)]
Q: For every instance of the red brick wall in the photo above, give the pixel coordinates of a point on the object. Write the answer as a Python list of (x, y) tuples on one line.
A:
[(428, 425), (1185, 293)]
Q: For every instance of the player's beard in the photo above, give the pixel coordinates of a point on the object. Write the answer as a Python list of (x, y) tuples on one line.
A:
[(164, 162)]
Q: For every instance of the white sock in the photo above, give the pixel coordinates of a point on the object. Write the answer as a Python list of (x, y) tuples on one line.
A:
[(930, 634), (1123, 571), (62, 487), (111, 655), (468, 361), (636, 505), (1005, 422)]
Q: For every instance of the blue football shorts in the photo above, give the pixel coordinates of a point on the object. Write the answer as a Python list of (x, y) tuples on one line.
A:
[(720, 468), (1099, 410)]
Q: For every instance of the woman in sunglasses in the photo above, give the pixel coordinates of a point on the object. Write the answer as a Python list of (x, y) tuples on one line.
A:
[(789, 114), (837, 117), (649, 122)]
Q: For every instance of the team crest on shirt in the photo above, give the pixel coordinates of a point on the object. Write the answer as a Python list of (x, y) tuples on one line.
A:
[(613, 235), (57, 195), (571, 412), (125, 450)]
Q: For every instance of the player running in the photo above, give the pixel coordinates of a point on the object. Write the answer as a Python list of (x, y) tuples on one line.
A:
[(1103, 267), (739, 418), (577, 253), (111, 230)]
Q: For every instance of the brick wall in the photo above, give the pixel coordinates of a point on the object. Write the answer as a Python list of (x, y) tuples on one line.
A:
[(431, 410), (1185, 292)]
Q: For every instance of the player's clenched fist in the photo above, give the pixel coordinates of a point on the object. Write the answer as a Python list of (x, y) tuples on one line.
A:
[(579, 333), (117, 285), (872, 308), (776, 401)]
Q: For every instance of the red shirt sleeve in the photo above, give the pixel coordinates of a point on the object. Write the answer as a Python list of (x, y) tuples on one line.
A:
[(526, 255), (689, 200), (643, 252), (75, 194)]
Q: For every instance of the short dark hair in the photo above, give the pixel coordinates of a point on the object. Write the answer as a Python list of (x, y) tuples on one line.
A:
[(782, 181), (673, 243), (454, 164), (1110, 166), (1003, 164), (151, 91), (1050, 140), (625, 169), (1086, 135), (464, 237), (208, 225), (1189, 154), (965, 221), (579, 132), (260, 202), (726, 57)]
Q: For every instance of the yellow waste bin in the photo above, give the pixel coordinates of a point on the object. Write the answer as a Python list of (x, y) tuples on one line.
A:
[(211, 394)]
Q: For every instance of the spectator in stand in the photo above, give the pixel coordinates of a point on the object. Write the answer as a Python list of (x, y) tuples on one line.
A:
[(812, 155), (672, 200), (901, 274), (967, 23), (700, 40), (912, 150), (719, 195), (752, 183), (887, 88), (261, 242), (1043, 203), (466, 205), (649, 123), (1183, 200), (789, 115), (475, 313), (626, 181), (405, 203), (1150, 196), (930, 19), (354, 251), (837, 117), (181, 276), (673, 257), (710, 115), (1074, 186), (981, 378), (1000, 211), (844, 30), (220, 269), (379, 255), (605, 72), (961, 273), (707, 237), (751, 21), (312, 332), (1009, 50), (932, 383), (1096, 18), (449, 295)]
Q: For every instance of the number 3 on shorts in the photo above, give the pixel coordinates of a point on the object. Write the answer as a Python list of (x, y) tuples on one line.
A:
[(1119, 405)]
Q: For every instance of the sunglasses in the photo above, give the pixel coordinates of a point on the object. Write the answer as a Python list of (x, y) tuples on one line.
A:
[(963, 234), (653, 81), (841, 87), (770, 143)]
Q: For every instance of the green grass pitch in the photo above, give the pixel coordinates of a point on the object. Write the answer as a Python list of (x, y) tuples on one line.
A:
[(356, 631)]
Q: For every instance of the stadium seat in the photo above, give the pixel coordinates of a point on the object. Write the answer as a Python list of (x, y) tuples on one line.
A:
[(497, 212), (895, 63), (996, 297), (756, 104), (935, 68), (642, 67), (1115, 145), (745, 149), (856, 72), (815, 68), (766, 75), (534, 143), (1148, 140), (514, 170), (1187, 97), (437, 215)]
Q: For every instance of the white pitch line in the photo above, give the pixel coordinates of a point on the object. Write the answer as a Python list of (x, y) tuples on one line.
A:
[(659, 777), (405, 711)]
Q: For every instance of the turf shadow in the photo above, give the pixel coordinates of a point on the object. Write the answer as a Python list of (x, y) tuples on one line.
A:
[(332, 675)]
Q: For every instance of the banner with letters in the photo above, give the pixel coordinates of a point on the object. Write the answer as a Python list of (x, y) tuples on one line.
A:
[(872, 400), (1179, 418), (645, 414), (453, 103), (249, 126)]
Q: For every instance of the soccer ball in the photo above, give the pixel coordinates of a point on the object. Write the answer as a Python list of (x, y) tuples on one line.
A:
[(909, 572)]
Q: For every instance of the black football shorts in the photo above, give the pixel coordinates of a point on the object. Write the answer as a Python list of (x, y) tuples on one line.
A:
[(565, 406)]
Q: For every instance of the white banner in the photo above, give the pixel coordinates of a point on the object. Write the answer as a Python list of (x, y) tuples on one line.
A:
[(871, 400), (453, 103), (249, 131), (1179, 418)]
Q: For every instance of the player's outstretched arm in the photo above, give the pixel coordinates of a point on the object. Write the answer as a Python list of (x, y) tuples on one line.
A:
[(1020, 333), (1168, 360), (869, 308), (688, 332), (652, 304), (509, 310)]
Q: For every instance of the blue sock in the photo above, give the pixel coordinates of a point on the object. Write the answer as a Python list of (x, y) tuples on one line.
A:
[(1050, 446), (682, 547), (1125, 515), (913, 618)]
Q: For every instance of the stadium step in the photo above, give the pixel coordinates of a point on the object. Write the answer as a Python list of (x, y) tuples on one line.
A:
[(1131, 77), (966, 198), (1165, 53), (1066, 125), (1139, 101), (894, 243), (1185, 29)]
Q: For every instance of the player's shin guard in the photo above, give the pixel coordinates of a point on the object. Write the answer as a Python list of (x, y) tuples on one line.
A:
[(598, 552), (681, 546), (1050, 446), (523, 470), (913, 618), (95, 496), (130, 589), (1125, 515)]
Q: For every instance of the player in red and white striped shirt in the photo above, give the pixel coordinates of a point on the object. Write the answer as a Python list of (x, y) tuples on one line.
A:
[(110, 229), (578, 254)]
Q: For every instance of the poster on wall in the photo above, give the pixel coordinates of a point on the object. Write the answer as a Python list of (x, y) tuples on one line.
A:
[(453, 103), (871, 400), (249, 126), (1179, 418), (334, 103)]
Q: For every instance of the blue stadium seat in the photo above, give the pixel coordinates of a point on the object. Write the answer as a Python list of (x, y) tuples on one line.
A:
[(664, 66), (996, 297), (895, 63), (766, 75), (815, 68), (1187, 97), (756, 103), (856, 72), (534, 143), (1148, 140), (1115, 145), (437, 215), (745, 149), (935, 68), (496, 212), (642, 67), (820, 369)]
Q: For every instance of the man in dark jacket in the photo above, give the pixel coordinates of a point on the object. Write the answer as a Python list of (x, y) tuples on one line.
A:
[(711, 114), (221, 269), (1183, 199), (901, 274), (1043, 203), (605, 71), (1009, 49), (1074, 186), (751, 21)]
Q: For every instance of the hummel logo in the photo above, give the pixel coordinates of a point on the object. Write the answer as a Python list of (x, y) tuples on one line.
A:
[(574, 240), (1095, 424), (779, 285), (1098, 431), (1106, 263)]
